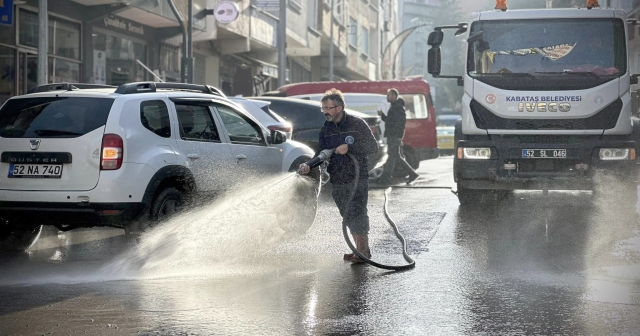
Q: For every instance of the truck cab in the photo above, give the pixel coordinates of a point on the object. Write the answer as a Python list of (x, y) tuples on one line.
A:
[(546, 104)]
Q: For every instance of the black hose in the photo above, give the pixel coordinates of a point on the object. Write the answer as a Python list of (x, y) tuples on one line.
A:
[(411, 263)]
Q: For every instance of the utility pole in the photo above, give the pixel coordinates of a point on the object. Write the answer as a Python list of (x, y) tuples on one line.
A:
[(282, 44), (43, 49), (549, 3), (190, 59), (331, 44)]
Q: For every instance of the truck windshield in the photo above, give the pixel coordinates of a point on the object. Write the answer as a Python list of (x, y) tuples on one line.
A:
[(548, 48)]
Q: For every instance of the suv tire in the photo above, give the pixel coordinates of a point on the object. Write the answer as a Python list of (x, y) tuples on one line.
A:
[(19, 239), (166, 204)]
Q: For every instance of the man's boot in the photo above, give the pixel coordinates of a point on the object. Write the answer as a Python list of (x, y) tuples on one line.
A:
[(362, 245), (348, 256)]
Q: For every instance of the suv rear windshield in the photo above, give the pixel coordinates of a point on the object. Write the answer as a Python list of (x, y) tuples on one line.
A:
[(53, 117)]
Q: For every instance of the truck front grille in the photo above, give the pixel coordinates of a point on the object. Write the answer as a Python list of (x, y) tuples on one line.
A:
[(605, 119)]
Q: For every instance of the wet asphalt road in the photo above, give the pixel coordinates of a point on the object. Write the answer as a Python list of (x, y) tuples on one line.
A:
[(563, 263)]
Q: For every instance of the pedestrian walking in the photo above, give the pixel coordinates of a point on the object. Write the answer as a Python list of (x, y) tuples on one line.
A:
[(351, 138), (395, 120)]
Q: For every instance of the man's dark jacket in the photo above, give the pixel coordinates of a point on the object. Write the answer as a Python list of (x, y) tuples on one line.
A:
[(357, 135), (395, 120)]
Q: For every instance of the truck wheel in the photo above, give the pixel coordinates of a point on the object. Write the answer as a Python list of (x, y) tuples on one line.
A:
[(18, 239), (469, 196), (296, 211)]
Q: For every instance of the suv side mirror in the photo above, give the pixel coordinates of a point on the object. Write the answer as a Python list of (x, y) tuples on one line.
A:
[(434, 60), (634, 79), (278, 137)]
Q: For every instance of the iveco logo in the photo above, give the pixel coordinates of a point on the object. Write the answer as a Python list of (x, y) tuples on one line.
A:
[(34, 144), (544, 107)]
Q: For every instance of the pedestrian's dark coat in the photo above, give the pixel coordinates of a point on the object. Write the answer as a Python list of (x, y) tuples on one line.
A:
[(395, 120), (361, 144)]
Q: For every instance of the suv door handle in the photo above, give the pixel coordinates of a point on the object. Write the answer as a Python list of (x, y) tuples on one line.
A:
[(241, 157), (193, 156)]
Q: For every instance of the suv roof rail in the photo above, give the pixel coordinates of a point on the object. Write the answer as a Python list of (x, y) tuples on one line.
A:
[(142, 87), (68, 87)]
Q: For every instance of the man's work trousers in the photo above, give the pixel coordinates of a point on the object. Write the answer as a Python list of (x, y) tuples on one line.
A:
[(393, 145), (354, 213)]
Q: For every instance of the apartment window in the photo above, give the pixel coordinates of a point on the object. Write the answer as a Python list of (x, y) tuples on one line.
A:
[(312, 13), (364, 46), (353, 32), (339, 10)]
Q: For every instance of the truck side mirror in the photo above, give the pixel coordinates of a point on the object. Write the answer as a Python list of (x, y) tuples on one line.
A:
[(435, 38), (434, 61)]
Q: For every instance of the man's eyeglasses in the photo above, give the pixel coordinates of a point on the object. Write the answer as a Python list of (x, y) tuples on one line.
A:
[(325, 109)]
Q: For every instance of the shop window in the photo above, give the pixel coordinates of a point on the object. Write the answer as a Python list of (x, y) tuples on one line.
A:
[(120, 64), (28, 29), (7, 34), (63, 39), (62, 71), (7, 73), (170, 62)]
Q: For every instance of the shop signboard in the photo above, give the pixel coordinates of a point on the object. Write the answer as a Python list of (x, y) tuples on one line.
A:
[(226, 11), (6, 12)]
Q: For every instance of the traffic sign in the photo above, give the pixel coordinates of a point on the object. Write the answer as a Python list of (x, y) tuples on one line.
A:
[(6, 12)]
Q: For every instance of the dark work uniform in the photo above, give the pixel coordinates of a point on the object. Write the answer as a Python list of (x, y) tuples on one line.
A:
[(356, 133), (395, 122)]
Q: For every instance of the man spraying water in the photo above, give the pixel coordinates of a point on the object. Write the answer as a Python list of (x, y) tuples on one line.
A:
[(350, 139)]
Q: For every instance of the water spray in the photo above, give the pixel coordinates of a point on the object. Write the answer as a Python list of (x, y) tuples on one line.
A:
[(325, 155)]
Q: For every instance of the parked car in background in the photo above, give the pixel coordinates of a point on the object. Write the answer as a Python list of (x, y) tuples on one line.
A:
[(367, 103), (446, 144), (260, 110), (447, 120), (307, 120), (420, 140)]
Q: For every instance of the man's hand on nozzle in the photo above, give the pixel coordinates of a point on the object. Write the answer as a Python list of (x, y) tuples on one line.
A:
[(380, 113), (303, 169)]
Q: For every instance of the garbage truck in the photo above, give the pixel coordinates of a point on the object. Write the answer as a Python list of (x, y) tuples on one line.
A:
[(547, 102)]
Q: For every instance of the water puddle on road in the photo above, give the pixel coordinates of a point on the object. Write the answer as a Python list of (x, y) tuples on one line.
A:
[(216, 238)]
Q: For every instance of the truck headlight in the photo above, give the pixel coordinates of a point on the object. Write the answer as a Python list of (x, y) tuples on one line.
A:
[(617, 154), (473, 153)]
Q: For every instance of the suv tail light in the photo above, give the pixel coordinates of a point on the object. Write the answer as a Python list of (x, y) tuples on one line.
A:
[(285, 129), (112, 152)]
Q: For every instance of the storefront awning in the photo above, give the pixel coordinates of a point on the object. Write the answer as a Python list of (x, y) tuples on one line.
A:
[(268, 69)]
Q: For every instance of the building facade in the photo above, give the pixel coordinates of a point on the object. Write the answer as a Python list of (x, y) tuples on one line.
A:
[(113, 42)]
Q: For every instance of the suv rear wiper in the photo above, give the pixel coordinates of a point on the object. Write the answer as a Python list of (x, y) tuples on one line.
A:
[(51, 132), (572, 73)]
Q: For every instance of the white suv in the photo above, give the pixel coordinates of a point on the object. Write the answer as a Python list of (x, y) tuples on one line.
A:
[(79, 155)]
